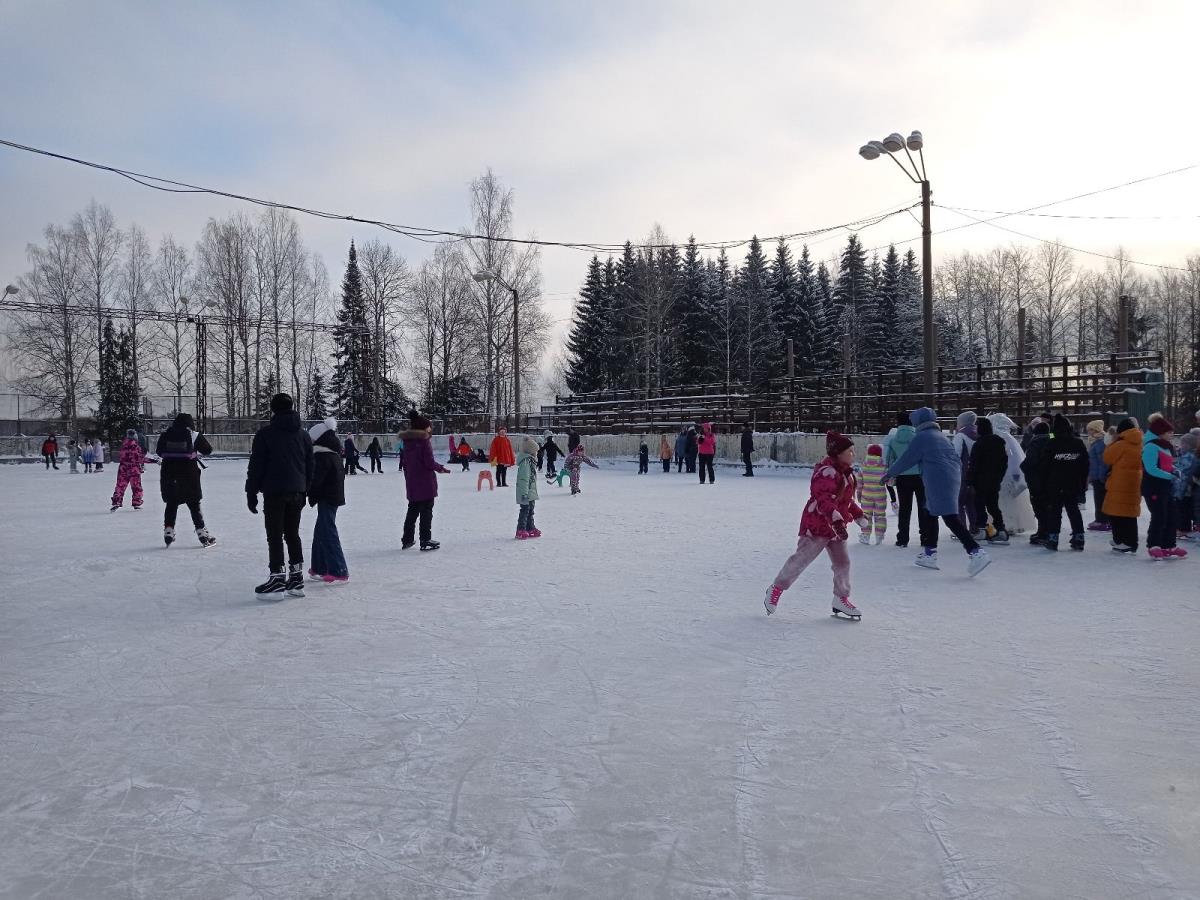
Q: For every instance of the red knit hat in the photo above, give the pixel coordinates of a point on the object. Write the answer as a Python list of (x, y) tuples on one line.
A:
[(1161, 426), (875, 450), (836, 442)]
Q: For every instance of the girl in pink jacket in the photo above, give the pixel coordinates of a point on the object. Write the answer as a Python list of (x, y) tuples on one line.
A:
[(129, 472), (831, 507), (706, 447)]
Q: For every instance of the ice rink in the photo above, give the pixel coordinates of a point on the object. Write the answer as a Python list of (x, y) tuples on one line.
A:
[(603, 713)]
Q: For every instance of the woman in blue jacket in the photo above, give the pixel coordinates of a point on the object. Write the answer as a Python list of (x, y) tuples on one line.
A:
[(941, 474)]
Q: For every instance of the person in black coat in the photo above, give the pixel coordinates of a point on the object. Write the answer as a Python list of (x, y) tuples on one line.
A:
[(551, 452), (179, 449), (690, 449), (281, 469), (1064, 478), (375, 452), (747, 449), (986, 470), (643, 458), (1034, 477), (327, 493)]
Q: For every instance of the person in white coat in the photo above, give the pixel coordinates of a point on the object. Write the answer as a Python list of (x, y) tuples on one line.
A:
[(1015, 505), (98, 454)]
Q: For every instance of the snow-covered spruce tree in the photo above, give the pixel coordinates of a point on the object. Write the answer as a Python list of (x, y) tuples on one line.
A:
[(885, 318), (695, 342), (832, 327), (316, 406), (117, 410), (807, 317), (853, 296), (352, 369), (588, 339), (785, 308), (909, 350), (624, 301), (725, 335), (752, 293)]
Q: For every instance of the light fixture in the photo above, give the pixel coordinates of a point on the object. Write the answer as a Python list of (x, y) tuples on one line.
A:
[(915, 141), (866, 151), (10, 289), (893, 143)]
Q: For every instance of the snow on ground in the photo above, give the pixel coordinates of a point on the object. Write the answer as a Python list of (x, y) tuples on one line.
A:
[(604, 713)]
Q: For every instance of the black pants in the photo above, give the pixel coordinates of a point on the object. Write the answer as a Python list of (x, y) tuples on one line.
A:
[(891, 489), (550, 470), (466, 463), (666, 465), (910, 487), (376, 465), (706, 465), (50, 459), (422, 509), (193, 507), (1163, 512), (1099, 492), (1040, 512), (749, 464), (967, 507), (987, 503), (501, 475), (643, 465), (281, 515), (1054, 511), (678, 464), (689, 463), (525, 516), (958, 529), (1124, 530)]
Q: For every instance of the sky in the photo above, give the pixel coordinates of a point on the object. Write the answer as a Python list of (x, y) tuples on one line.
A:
[(714, 119)]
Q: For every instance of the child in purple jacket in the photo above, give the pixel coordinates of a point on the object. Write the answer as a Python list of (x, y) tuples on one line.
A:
[(420, 481)]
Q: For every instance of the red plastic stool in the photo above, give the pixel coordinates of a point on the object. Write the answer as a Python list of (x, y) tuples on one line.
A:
[(484, 475)]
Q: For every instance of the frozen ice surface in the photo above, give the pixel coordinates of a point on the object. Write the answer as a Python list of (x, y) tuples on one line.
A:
[(605, 712)]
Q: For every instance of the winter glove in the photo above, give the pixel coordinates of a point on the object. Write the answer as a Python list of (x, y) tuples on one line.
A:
[(839, 530), (252, 503)]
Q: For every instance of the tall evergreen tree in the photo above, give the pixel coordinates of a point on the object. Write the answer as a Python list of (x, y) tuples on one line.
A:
[(622, 314), (352, 349), (885, 319), (117, 409), (807, 324), (785, 308), (589, 335), (725, 333), (832, 331), (753, 294), (316, 403), (696, 322), (909, 342), (853, 295)]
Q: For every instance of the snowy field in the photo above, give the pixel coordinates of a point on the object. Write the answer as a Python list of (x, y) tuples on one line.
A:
[(604, 713)]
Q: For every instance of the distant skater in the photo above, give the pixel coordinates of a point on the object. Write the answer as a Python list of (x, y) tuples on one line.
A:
[(129, 471), (179, 450)]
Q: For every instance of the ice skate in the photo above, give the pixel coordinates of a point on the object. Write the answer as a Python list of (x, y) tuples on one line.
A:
[(335, 579), (427, 546), (928, 560), (999, 539), (1158, 554), (1051, 542), (115, 507), (878, 539), (534, 533), (1098, 526), (1122, 548), (771, 601), (843, 607), (522, 535), (407, 545), (978, 561), (1189, 536), (206, 539), (1077, 541), (295, 580), (865, 539), (313, 576), (168, 535), (274, 588), (1177, 553)]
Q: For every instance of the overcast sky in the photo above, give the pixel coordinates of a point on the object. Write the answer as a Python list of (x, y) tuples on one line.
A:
[(713, 118)]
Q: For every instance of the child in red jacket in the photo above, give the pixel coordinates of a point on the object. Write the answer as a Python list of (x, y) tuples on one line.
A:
[(831, 507)]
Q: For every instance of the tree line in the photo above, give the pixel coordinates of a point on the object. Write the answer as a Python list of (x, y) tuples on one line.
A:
[(393, 334), (661, 316)]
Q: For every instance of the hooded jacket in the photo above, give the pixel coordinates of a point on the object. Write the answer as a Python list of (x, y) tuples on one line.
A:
[(1123, 496), (329, 475), (900, 442), (1035, 472), (941, 472), (178, 449), (281, 457), (1064, 462), (989, 459), (681, 441), (375, 449), (551, 450), (747, 440), (500, 452), (664, 448), (527, 489), (707, 445), (420, 468), (831, 505)]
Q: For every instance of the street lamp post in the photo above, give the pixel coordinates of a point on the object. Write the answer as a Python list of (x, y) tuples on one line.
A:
[(891, 145), (487, 275)]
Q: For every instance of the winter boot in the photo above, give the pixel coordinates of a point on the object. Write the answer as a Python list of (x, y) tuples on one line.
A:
[(426, 546), (1122, 548), (1051, 542), (1096, 526), (999, 539), (864, 538), (843, 607), (1158, 554), (1077, 540), (168, 535), (274, 587), (295, 580), (771, 601), (977, 562), (313, 576), (522, 534), (534, 533), (928, 559), (206, 539), (1037, 539), (336, 579), (115, 507), (1177, 553)]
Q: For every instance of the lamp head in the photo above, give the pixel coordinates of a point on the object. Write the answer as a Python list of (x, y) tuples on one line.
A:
[(866, 151), (10, 289), (483, 276), (915, 141), (893, 143)]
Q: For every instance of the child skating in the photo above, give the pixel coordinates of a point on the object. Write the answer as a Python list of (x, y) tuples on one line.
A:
[(575, 460), (643, 458), (527, 489), (872, 496), (823, 524), (1187, 486), (89, 457), (73, 455), (1158, 489), (129, 471)]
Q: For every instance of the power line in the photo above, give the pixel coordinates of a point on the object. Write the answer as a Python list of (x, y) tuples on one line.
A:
[(1033, 237), (1003, 213), (433, 235)]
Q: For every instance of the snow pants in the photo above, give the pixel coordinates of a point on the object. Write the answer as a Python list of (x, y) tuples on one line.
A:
[(1057, 506), (126, 479), (987, 502), (501, 475), (666, 465), (911, 487), (327, 556), (643, 465), (525, 516), (573, 473), (1099, 491), (808, 548), (50, 459), (706, 467), (875, 512), (418, 509), (1163, 525), (1124, 530), (376, 465), (749, 463), (958, 529)]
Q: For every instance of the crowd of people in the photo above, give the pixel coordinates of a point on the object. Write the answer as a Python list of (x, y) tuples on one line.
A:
[(985, 485), (983, 482)]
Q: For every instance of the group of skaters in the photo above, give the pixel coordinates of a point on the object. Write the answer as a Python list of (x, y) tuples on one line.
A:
[(88, 453), (984, 484), (694, 450)]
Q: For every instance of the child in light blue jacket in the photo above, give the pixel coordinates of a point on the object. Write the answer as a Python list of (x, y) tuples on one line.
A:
[(527, 489)]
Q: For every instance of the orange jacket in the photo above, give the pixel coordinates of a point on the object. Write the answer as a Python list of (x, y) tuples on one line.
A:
[(1124, 485), (464, 449), (500, 453)]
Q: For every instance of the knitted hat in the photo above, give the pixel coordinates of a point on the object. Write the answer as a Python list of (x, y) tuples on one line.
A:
[(281, 403), (131, 434), (1095, 427), (966, 418), (418, 421), (1160, 426), (529, 446), (321, 427), (1041, 428), (875, 450), (1126, 424), (836, 442), (1189, 441)]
